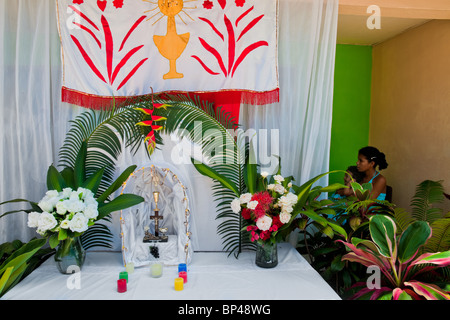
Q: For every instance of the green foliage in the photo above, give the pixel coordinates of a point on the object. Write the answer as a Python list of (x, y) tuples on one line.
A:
[(104, 132), (398, 260), (352, 215), (17, 260), (429, 194)]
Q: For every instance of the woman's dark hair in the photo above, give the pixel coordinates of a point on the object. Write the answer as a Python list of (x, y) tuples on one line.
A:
[(358, 176), (373, 154)]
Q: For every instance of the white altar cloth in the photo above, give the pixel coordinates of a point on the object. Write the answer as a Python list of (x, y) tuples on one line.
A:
[(211, 276)]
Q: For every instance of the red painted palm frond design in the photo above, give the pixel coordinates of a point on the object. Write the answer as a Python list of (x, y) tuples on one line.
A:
[(108, 39), (233, 58)]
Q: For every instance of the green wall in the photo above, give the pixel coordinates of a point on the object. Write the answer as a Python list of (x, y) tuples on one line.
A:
[(351, 106)]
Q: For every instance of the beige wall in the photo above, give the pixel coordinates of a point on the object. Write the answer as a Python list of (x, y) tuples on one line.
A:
[(410, 111)]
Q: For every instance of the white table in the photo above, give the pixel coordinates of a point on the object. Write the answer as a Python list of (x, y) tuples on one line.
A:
[(211, 276)]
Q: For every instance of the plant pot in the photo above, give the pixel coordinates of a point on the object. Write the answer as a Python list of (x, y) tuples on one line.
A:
[(70, 255), (266, 255)]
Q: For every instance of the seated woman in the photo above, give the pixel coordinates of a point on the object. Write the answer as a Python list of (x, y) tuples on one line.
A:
[(352, 173), (369, 158)]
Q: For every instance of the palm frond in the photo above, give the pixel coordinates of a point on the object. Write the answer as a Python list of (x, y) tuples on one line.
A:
[(98, 235), (440, 241), (104, 131), (428, 193), (403, 219)]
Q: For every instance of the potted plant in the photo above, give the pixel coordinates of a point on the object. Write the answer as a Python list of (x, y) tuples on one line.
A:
[(71, 205), (398, 261)]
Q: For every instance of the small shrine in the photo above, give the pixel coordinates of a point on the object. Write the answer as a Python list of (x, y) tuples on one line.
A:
[(158, 229)]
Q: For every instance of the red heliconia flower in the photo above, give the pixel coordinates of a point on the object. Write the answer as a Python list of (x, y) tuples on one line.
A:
[(240, 3), (118, 3), (77, 1), (150, 138), (207, 4)]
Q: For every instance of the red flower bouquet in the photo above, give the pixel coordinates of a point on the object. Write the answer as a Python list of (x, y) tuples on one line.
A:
[(267, 211)]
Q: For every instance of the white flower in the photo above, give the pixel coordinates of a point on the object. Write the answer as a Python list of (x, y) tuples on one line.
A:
[(290, 185), (252, 204), (74, 196), (244, 198), (236, 205), (264, 174), (91, 211), (46, 205), (65, 224), (52, 193), (66, 193), (285, 217), (74, 205), (46, 222), (287, 209), (270, 187), (79, 223), (85, 193), (288, 200), (279, 188), (278, 178), (33, 219), (264, 223), (91, 202), (60, 207)]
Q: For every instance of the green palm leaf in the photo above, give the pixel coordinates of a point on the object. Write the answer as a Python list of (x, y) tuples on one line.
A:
[(428, 193), (104, 131)]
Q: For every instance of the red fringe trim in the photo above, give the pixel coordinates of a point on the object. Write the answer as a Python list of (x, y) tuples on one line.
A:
[(230, 100)]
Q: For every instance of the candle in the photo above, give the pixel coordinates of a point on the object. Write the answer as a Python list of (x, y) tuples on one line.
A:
[(121, 285), (156, 270), (182, 267), (123, 275), (178, 284), (129, 267), (183, 275)]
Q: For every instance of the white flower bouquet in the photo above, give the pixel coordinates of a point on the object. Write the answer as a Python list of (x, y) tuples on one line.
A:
[(67, 213)]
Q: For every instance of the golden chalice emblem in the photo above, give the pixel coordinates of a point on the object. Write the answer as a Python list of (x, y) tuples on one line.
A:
[(171, 45)]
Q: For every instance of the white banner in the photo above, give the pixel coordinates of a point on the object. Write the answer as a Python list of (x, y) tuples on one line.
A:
[(126, 48)]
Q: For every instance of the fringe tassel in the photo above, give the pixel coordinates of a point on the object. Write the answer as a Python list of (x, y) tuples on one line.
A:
[(225, 97)]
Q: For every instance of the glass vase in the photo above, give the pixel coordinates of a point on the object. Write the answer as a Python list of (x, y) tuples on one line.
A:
[(70, 255), (266, 254)]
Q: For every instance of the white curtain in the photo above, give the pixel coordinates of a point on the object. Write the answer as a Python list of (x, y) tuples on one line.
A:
[(302, 118), (34, 121)]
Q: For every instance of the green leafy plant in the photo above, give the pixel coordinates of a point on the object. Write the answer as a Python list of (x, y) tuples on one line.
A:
[(424, 207), (16, 261), (352, 214), (398, 260), (73, 179)]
